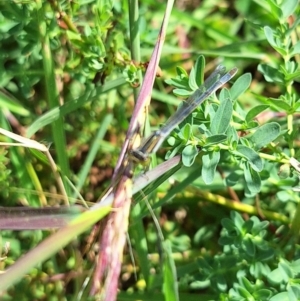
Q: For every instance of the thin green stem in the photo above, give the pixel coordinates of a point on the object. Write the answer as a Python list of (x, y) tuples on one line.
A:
[(263, 155), (135, 38), (52, 95)]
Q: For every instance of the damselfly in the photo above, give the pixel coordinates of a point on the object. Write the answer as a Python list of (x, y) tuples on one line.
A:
[(151, 144)]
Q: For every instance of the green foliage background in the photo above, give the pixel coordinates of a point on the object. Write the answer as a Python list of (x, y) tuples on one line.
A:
[(68, 80)]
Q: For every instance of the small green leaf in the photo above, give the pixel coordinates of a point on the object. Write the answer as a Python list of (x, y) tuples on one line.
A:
[(253, 182), (182, 92), (215, 139), (265, 134), (270, 34), (272, 75), (274, 9), (173, 152), (204, 234), (228, 224), (292, 76), (295, 265), (275, 277), (224, 95), (290, 67), (248, 246), (262, 294), (259, 226), (73, 35), (294, 292), (192, 80), (181, 72), (221, 283), (232, 134), (200, 285), (244, 293), (252, 125), (288, 7), (284, 296), (210, 161), (296, 106), (295, 49), (257, 269), (285, 269), (247, 284), (252, 157), (198, 73), (204, 130), (280, 104), (265, 253), (221, 120), (255, 111), (233, 178), (189, 155), (240, 86), (186, 131), (238, 220), (180, 83), (247, 226)]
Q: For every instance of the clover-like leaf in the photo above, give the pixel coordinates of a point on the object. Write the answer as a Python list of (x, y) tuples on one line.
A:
[(271, 74), (275, 43), (288, 7), (189, 155), (265, 134), (197, 73), (233, 178), (240, 86), (252, 181), (248, 246), (251, 156), (210, 161), (215, 139), (255, 111), (221, 120)]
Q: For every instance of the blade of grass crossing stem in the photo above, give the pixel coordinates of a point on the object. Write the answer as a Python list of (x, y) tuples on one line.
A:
[(8, 102), (52, 97), (27, 177), (138, 235), (170, 286), (50, 246)]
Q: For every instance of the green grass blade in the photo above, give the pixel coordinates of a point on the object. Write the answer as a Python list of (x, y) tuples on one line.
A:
[(50, 246)]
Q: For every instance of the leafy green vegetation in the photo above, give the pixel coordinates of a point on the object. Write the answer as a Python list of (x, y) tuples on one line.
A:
[(223, 224)]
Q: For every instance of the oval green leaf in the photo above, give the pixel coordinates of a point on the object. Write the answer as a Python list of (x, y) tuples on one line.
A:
[(189, 155), (265, 134), (252, 157), (255, 111), (252, 181), (240, 86), (210, 161), (221, 119)]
